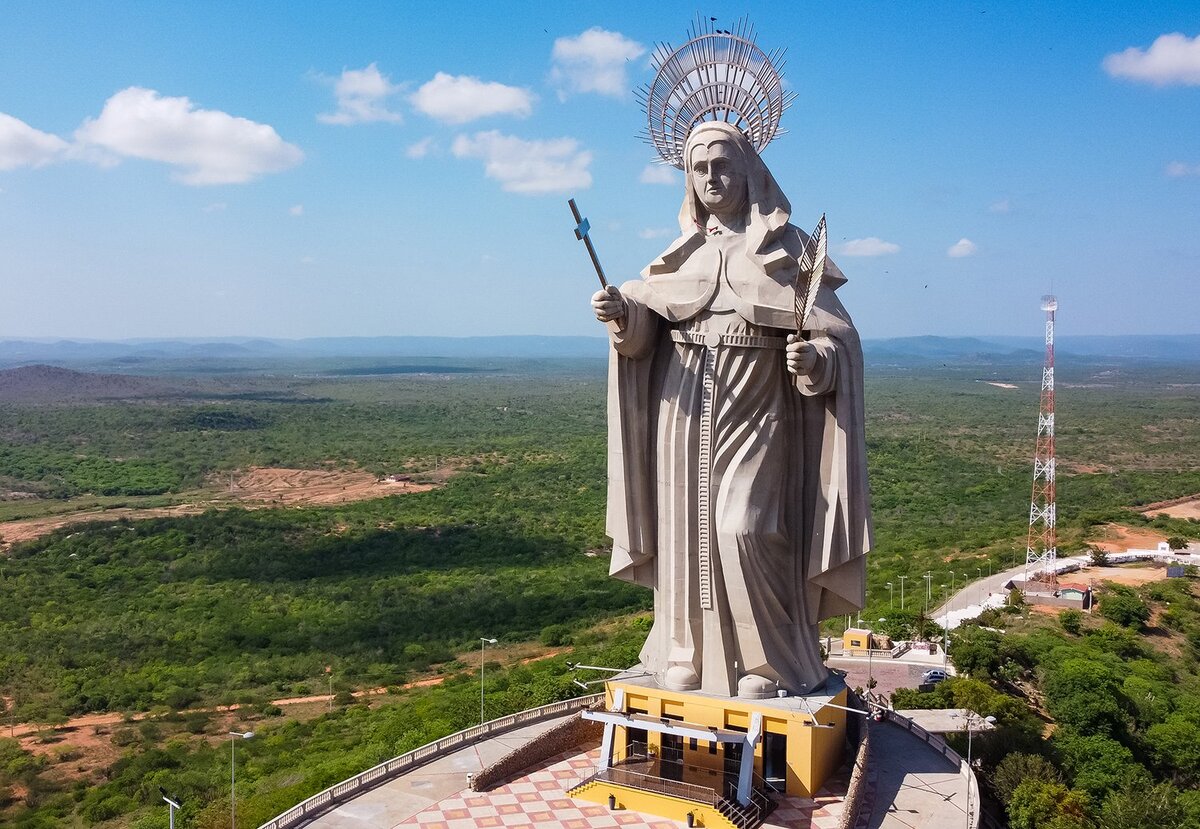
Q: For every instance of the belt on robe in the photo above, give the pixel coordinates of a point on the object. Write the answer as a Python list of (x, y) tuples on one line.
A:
[(713, 339)]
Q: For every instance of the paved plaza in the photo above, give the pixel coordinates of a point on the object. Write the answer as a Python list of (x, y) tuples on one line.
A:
[(912, 785)]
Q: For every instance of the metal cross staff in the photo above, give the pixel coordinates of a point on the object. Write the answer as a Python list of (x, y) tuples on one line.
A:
[(582, 229)]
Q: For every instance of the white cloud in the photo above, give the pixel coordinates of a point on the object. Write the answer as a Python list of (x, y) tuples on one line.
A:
[(870, 246), (594, 61), (659, 174), (296, 210), (1002, 206), (362, 98), (1171, 59), (655, 232), (23, 146), (551, 166), (457, 99), (420, 149), (1178, 169), (307, 260), (215, 207), (210, 147), (963, 247)]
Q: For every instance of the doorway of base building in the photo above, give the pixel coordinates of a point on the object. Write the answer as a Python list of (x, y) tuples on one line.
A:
[(775, 761), (671, 756)]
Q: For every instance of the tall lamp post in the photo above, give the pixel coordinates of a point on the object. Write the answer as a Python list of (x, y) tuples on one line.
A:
[(870, 653), (902, 578), (483, 641), (233, 738), (172, 805), (891, 597), (971, 772), (928, 590)]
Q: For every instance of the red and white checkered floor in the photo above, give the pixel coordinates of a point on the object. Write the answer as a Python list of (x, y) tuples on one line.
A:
[(538, 799)]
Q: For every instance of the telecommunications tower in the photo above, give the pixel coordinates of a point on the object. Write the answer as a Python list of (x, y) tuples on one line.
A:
[(1041, 550)]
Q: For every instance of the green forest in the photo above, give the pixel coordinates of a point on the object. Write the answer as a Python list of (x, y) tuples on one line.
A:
[(167, 614)]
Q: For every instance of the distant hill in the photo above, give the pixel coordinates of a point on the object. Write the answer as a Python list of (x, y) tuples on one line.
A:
[(50, 384), (130, 354)]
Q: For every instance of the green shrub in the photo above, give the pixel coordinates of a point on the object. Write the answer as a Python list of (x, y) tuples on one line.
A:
[(1071, 621)]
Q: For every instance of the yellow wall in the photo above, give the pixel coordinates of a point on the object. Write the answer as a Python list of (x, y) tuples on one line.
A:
[(654, 804), (813, 754)]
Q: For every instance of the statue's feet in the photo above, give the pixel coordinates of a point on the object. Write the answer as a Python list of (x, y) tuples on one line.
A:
[(752, 686), (681, 678)]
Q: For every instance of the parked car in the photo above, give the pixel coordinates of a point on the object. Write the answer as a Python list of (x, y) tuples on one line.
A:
[(933, 676)]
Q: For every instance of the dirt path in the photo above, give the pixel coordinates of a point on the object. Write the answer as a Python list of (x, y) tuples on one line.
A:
[(1116, 538), (1187, 507), (27, 731), (256, 488)]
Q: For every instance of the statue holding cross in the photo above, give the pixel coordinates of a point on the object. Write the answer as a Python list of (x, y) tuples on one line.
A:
[(737, 484)]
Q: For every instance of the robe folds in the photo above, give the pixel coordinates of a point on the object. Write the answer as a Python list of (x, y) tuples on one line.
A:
[(736, 491)]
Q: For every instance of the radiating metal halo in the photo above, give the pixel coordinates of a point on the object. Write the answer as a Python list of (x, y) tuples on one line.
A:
[(717, 75)]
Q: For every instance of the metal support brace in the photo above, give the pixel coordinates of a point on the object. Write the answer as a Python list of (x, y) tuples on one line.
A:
[(746, 771), (610, 730)]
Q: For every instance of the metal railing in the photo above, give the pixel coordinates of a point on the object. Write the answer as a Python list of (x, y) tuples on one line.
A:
[(659, 785), (348, 789)]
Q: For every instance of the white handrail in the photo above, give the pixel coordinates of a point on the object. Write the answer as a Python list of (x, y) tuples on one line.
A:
[(322, 801)]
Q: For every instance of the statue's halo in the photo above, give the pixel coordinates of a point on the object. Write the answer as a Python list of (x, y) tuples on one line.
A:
[(717, 75)]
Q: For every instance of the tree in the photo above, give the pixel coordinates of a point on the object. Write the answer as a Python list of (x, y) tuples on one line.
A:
[(1095, 763), (1177, 542), (1124, 608), (1039, 804), (1175, 745), (1084, 694), (1071, 621), (1099, 557), (1144, 807), (976, 651), (1018, 767)]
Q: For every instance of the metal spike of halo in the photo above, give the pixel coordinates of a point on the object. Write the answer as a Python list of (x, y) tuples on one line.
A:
[(718, 75)]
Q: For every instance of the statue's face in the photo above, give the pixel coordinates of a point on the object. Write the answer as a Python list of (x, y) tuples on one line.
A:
[(719, 178)]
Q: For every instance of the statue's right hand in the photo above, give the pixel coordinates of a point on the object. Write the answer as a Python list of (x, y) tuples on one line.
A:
[(608, 304)]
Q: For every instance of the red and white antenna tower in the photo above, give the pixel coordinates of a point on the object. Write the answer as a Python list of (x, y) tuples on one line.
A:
[(1041, 550)]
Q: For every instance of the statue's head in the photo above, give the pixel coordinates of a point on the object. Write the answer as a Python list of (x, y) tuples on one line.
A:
[(716, 171), (725, 175)]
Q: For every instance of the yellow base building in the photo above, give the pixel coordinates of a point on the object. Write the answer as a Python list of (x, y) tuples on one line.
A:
[(708, 760)]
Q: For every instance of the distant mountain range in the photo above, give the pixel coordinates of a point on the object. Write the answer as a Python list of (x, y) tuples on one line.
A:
[(127, 354)]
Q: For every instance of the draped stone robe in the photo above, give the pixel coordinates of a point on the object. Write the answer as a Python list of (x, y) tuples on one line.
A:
[(736, 490)]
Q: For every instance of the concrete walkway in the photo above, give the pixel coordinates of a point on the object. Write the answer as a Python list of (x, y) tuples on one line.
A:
[(915, 786), (393, 802)]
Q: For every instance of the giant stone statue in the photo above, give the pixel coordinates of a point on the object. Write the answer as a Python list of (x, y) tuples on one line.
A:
[(737, 477)]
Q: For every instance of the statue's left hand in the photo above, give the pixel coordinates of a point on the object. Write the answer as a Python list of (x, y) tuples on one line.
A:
[(801, 356)]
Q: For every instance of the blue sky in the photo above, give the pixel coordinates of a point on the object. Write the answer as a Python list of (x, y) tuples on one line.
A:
[(301, 169)]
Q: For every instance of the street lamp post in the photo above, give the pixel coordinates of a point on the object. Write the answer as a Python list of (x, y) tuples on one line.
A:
[(870, 653), (971, 772), (172, 805), (891, 596), (902, 578), (233, 738), (928, 590), (483, 641)]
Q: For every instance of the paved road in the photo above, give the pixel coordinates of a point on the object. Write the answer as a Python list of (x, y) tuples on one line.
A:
[(889, 674), (915, 786)]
